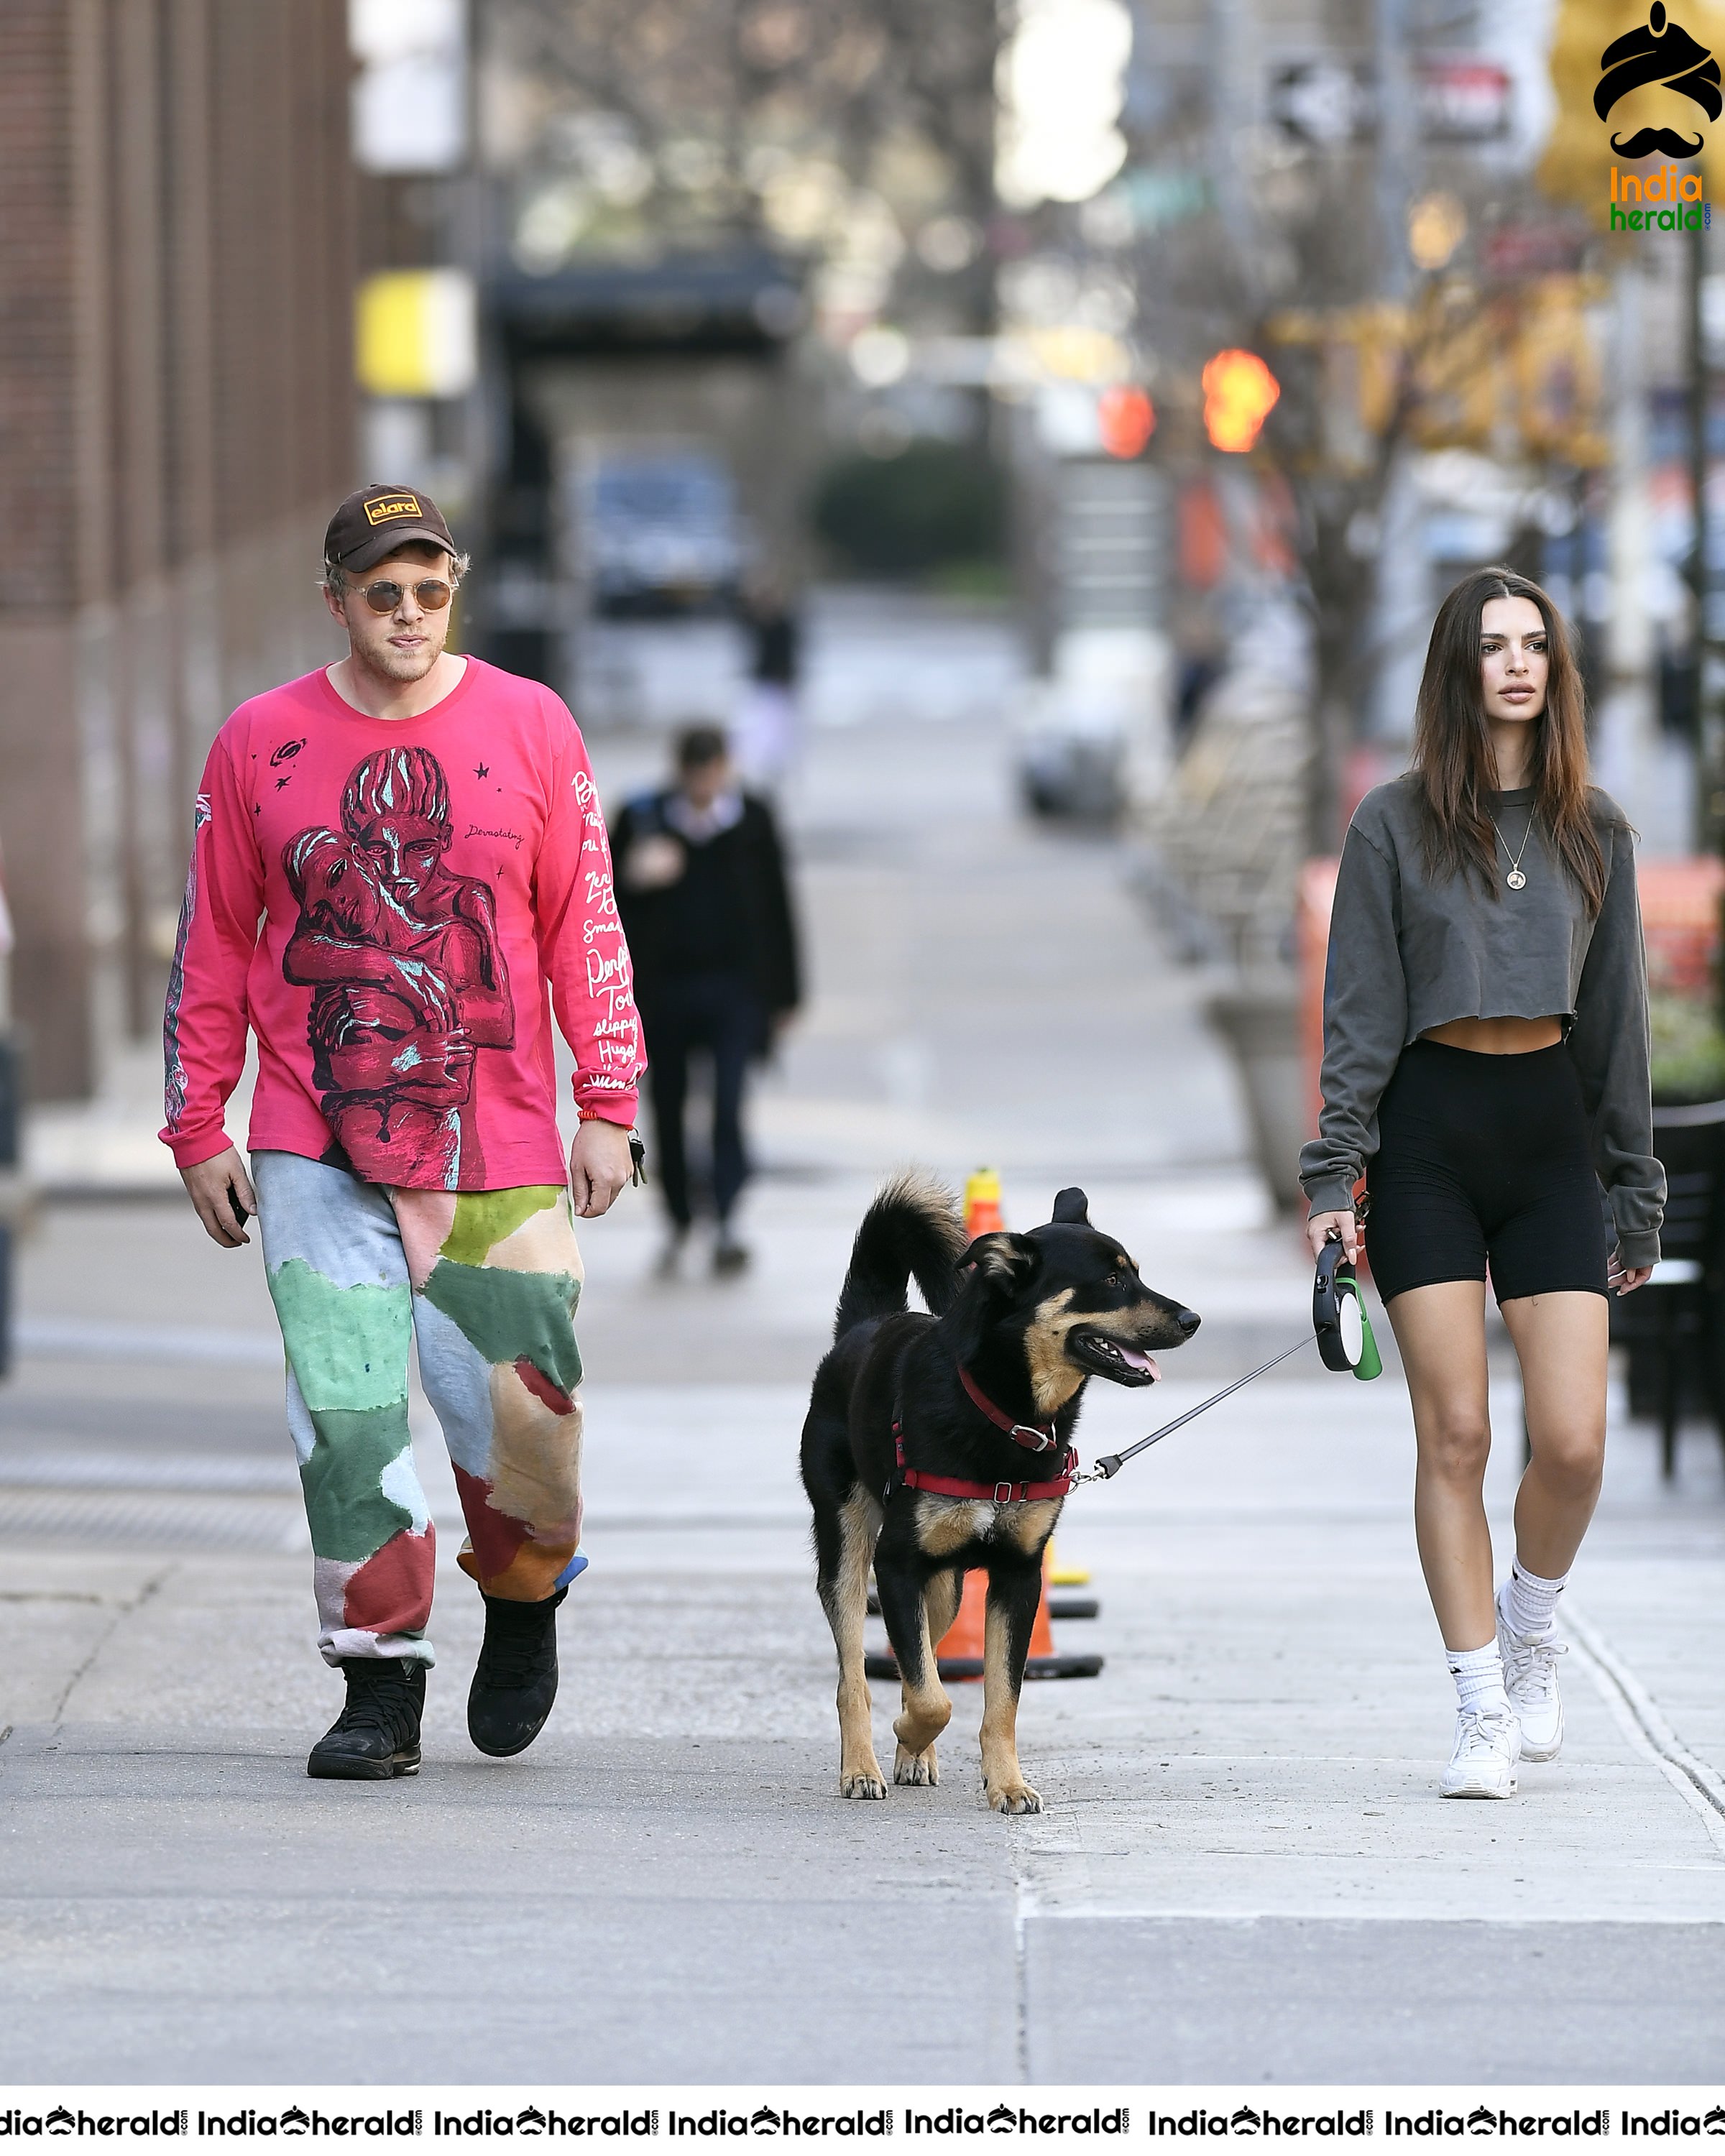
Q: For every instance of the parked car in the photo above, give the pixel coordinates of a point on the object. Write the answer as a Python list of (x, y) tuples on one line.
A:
[(656, 531)]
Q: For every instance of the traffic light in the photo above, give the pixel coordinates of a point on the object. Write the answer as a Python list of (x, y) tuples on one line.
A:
[(1127, 420), (1240, 393)]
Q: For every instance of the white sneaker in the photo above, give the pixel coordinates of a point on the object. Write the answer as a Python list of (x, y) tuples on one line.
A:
[(1483, 1763), (1530, 1677)]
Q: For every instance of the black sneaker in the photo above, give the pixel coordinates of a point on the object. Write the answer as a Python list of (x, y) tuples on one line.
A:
[(376, 1736), (515, 1685)]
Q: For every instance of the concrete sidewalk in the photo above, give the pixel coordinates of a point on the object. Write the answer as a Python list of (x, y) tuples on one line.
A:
[(1243, 1872)]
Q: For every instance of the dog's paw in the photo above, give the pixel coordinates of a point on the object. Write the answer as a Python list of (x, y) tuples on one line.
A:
[(1012, 1796), (864, 1781), (916, 1770)]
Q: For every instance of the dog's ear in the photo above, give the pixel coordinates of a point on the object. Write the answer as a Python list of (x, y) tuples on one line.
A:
[(1072, 1209), (1003, 1261)]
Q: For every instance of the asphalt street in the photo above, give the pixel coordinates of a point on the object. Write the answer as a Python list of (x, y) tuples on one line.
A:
[(1243, 1871)]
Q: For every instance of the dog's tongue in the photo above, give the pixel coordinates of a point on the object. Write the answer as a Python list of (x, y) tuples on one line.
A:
[(1135, 1358)]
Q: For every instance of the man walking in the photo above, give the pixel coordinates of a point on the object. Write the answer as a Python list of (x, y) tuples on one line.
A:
[(392, 858), (701, 882)]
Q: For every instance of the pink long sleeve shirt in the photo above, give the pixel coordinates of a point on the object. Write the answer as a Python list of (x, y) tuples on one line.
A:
[(396, 906)]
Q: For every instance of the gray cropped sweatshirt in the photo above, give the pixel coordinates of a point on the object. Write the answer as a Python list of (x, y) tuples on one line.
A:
[(1409, 952)]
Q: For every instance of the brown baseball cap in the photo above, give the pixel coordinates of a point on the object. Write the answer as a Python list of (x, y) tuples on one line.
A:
[(371, 524)]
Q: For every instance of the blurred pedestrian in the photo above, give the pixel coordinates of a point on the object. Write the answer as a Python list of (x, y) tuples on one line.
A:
[(1200, 661), (392, 857), (1486, 1067), (704, 896), (767, 735)]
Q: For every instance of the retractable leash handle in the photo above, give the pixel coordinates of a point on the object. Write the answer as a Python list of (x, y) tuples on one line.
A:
[(1340, 1326), (1336, 1309), (1339, 1314)]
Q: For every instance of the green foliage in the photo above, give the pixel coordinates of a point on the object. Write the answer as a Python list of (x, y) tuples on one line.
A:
[(1688, 1052), (990, 580), (936, 504)]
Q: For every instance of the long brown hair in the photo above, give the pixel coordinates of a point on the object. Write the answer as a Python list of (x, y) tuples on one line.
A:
[(1452, 743)]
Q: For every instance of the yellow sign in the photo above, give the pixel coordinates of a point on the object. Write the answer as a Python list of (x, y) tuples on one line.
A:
[(394, 505), (416, 333)]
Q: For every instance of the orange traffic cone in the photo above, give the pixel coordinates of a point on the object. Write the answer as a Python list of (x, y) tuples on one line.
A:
[(981, 1203), (1042, 1645), (960, 1652), (959, 1657)]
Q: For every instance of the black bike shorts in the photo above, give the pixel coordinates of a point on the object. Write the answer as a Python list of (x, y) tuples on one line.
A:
[(1484, 1158)]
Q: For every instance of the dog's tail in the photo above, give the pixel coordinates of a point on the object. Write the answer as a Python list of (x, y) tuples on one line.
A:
[(914, 1227)]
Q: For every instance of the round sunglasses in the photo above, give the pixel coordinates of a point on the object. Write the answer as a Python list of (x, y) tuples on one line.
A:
[(432, 593)]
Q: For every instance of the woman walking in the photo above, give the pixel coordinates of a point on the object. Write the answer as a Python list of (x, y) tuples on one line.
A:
[(1486, 1067)]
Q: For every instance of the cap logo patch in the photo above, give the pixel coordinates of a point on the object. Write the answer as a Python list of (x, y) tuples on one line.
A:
[(393, 505)]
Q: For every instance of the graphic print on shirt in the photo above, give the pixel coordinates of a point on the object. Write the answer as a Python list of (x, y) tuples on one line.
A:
[(610, 973), (173, 1065), (407, 971)]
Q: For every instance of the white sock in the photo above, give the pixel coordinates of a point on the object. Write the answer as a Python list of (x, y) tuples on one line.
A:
[(1531, 1602), (1479, 1679)]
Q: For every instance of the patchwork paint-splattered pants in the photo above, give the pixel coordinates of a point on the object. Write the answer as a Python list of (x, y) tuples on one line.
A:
[(487, 1282)]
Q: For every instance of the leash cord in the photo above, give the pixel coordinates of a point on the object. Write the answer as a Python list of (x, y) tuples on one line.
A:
[(1111, 1463)]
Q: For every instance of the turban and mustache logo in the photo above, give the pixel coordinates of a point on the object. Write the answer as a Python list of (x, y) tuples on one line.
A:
[(1662, 51)]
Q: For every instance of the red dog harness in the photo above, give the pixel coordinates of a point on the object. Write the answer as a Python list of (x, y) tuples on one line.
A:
[(1035, 1438)]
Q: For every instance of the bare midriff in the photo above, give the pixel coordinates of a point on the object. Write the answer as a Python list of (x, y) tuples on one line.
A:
[(1497, 1036)]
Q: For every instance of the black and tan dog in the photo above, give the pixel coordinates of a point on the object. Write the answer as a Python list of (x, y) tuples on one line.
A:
[(940, 1442)]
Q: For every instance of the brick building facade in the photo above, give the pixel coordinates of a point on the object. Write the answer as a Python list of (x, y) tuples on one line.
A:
[(176, 421)]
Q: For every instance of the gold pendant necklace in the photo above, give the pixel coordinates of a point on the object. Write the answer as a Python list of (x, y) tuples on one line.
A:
[(1515, 879)]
